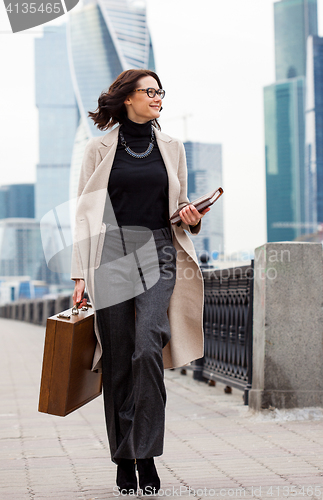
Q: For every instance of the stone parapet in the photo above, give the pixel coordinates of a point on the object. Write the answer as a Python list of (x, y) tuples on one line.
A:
[(287, 326)]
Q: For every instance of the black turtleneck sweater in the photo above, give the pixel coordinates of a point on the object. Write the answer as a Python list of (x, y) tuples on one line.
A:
[(138, 187)]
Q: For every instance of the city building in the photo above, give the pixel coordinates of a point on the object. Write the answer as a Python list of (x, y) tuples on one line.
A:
[(17, 200), (284, 103), (284, 155), (21, 287), (21, 252), (204, 169), (314, 134), (58, 119), (295, 20)]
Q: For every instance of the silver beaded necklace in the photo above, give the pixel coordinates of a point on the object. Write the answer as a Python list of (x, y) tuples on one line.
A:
[(138, 155)]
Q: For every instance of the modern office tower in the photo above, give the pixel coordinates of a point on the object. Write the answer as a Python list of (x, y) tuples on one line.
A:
[(17, 200), (284, 104), (104, 38), (204, 168), (3, 201), (21, 252), (58, 119), (295, 20), (314, 134), (284, 152)]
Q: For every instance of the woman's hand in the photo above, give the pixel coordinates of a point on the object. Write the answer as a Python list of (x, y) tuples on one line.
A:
[(190, 215), (78, 291)]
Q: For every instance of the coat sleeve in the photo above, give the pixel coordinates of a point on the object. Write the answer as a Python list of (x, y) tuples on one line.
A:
[(87, 169), (183, 199)]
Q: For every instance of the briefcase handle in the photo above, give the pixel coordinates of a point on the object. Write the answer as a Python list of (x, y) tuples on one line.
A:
[(75, 309)]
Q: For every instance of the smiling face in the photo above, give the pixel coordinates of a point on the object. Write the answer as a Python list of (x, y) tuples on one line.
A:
[(141, 108)]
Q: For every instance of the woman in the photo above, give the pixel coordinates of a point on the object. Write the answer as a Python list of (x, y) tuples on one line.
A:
[(140, 272)]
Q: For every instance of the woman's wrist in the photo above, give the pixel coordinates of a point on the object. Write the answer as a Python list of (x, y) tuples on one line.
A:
[(193, 225)]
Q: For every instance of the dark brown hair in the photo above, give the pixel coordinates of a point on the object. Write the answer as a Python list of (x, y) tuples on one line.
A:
[(111, 108)]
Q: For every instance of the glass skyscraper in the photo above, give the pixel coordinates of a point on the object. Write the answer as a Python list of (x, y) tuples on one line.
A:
[(284, 103), (17, 200), (295, 20), (284, 154), (21, 252), (58, 118), (314, 134), (204, 168)]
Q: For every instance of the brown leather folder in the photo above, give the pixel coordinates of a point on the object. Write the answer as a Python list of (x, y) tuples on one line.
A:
[(200, 204), (67, 382)]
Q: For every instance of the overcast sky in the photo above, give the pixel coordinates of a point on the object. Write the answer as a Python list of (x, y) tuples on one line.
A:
[(214, 58)]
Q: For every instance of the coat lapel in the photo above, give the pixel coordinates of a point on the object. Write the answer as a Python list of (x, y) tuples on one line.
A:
[(98, 182), (108, 141), (169, 152)]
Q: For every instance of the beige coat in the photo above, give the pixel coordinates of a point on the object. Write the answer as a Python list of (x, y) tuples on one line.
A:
[(185, 311)]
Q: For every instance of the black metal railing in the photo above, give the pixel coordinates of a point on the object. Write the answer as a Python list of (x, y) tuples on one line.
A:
[(36, 310), (228, 307)]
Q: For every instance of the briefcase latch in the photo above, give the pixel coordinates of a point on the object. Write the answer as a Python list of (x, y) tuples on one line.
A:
[(64, 315)]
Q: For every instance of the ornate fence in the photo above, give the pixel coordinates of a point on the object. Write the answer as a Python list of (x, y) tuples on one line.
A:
[(228, 308), (36, 311)]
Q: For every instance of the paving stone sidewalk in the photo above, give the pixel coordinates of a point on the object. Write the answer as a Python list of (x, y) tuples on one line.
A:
[(215, 447)]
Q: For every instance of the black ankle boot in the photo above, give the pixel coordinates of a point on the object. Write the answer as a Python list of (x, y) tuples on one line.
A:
[(126, 475), (149, 481)]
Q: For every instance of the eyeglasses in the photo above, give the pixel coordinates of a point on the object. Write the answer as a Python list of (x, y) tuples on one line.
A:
[(151, 92)]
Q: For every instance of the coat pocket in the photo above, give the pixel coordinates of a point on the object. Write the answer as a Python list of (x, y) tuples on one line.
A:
[(101, 238)]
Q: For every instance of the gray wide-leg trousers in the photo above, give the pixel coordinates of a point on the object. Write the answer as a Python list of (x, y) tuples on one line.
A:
[(133, 333)]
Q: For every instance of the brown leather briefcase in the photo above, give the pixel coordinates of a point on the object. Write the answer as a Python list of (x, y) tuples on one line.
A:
[(67, 382)]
